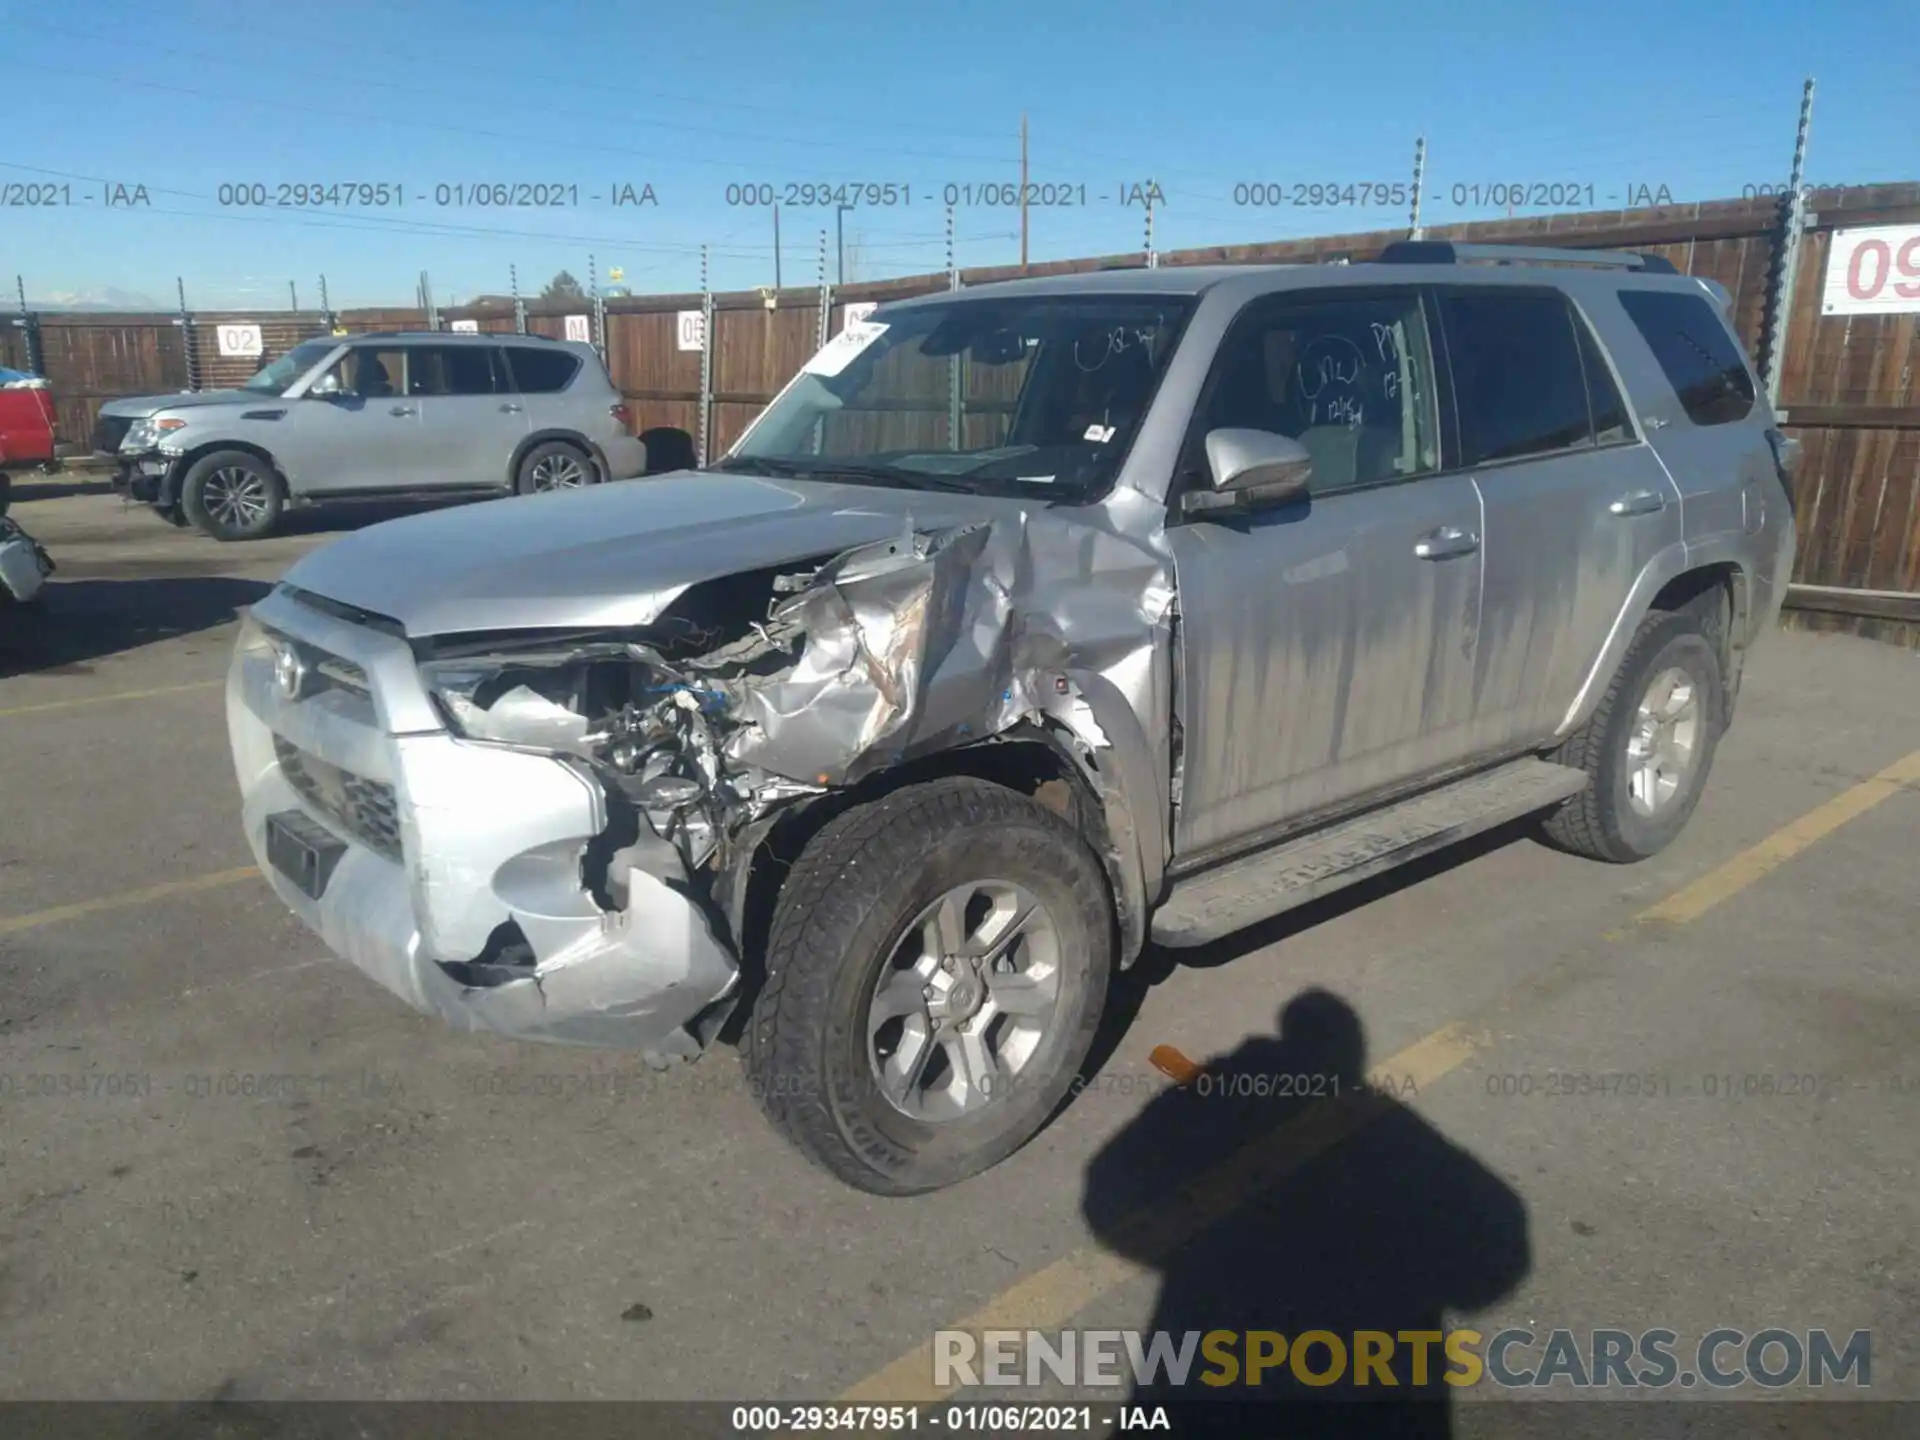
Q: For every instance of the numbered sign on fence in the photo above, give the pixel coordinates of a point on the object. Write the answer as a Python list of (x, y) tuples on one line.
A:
[(1873, 271), (692, 330), (465, 327), (239, 340), (857, 312), (579, 328)]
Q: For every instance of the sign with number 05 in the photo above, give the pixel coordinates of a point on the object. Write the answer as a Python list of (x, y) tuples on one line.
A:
[(692, 329), (1874, 271)]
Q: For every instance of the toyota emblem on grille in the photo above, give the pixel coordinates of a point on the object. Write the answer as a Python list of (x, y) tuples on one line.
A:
[(289, 671)]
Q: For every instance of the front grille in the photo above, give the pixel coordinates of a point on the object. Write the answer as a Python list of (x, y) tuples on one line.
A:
[(365, 809), (110, 430), (323, 671)]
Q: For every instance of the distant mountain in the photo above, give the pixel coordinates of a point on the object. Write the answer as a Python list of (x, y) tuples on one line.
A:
[(102, 297)]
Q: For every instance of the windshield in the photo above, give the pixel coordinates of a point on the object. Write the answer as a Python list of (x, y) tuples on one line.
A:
[(1040, 394), (291, 366)]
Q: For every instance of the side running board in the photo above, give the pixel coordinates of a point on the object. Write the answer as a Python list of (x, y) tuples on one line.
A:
[(1217, 902)]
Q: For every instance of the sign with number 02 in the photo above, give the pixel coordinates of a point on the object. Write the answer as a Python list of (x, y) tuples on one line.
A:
[(1874, 271), (239, 340)]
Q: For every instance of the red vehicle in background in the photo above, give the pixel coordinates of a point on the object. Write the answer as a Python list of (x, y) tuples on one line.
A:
[(26, 421), (26, 438)]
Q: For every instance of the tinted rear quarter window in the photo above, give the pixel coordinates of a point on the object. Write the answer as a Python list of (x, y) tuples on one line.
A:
[(538, 371), (1697, 355), (1519, 386)]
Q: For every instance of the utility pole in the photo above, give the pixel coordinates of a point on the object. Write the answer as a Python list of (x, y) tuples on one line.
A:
[(1153, 259), (1793, 223), (776, 250), (840, 243), (1419, 179), (1023, 191), (293, 296)]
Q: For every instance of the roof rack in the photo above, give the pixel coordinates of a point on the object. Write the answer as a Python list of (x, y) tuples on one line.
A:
[(1445, 252), (444, 335)]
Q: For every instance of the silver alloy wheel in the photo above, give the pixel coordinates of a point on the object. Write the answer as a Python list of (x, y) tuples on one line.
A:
[(965, 1001), (558, 471), (235, 498), (1664, 745)]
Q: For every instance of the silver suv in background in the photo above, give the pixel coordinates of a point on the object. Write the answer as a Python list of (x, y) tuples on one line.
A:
[(375, 415), (1028, 624)]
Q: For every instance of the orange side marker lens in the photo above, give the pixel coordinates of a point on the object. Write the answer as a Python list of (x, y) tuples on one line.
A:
[(1175, 1066)]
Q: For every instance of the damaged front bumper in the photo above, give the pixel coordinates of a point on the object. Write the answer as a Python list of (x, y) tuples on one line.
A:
[(453, 871), (24, 564)]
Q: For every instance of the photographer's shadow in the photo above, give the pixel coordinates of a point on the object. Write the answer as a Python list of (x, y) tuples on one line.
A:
[(1351, 1214)]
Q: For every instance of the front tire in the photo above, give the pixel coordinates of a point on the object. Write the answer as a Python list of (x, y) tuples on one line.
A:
[(232, 495), (937, 967), (554, 465), (1647, 747)]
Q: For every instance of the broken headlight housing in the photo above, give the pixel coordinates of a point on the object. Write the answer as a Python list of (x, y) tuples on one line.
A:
[(644, 730)]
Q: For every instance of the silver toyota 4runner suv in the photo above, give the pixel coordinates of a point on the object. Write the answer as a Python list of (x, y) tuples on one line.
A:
[(1028, 625), (376, 415)]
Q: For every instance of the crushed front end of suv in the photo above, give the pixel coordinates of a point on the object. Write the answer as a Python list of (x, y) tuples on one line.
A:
[(1009, 635)]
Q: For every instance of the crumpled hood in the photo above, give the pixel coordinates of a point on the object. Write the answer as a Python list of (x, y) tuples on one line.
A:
[(610, 555)]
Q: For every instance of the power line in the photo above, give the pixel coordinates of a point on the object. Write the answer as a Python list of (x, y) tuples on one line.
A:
[(498, 102)]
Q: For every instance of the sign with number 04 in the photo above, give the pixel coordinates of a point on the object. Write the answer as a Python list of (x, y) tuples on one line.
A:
[(1875, 271)]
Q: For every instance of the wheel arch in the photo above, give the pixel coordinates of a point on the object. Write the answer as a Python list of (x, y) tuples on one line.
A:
[(593, 452), (1715, 586), (1041, 761), (176, 476)]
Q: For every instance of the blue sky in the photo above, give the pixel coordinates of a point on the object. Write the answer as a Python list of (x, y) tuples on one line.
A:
[(186, 96)]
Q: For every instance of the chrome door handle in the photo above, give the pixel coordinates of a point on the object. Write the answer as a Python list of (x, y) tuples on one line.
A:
[(401, 410), (510, 409), (1640, 502), (1446, 542)]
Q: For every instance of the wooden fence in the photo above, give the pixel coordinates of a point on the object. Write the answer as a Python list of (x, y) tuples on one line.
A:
[(1848, 384)]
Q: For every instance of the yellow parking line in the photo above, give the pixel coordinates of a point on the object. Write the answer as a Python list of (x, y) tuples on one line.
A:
[(1750, 865), (1052, 1296), (109, 699), (33, 919)]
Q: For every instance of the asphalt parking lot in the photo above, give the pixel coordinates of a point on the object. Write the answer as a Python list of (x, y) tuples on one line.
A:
[(229, 1166)]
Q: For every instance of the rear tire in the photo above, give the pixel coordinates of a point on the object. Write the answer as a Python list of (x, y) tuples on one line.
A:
[(865, 1041), (232, 495), (1648, 746), (554, 465)]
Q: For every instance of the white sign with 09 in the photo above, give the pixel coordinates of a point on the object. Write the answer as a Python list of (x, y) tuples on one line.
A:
[(1873, 271)]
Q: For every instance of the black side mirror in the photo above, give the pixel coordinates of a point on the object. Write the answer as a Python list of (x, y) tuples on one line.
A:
[(1250, 468)]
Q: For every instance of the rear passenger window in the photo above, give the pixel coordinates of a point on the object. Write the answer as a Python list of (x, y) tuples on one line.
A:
[(1603, 396), (1518, 383), (541, 372), (468, 369), (1696, 353)]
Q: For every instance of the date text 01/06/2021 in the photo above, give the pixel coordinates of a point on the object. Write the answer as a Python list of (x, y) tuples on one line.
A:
[(957, 1419), (987, 194), (444, 194)]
